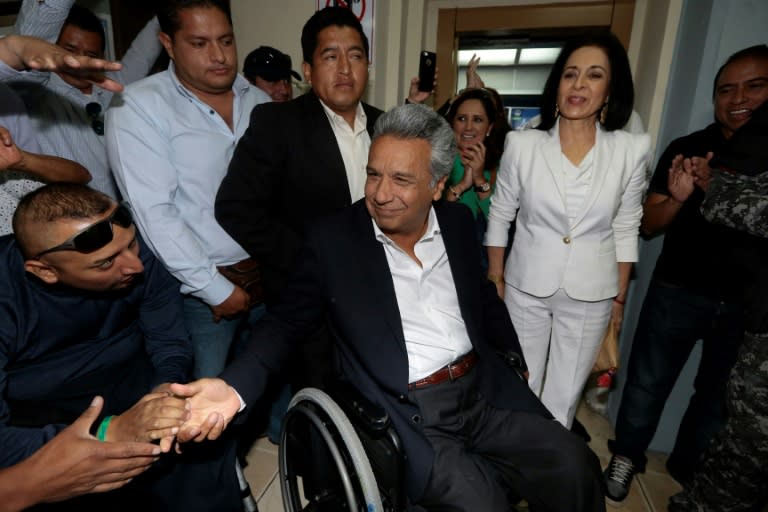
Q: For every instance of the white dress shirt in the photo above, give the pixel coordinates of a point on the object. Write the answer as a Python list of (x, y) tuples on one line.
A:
[(434, 330), (354, 145)]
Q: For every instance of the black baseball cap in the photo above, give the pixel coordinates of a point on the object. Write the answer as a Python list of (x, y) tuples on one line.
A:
[(270, 64)]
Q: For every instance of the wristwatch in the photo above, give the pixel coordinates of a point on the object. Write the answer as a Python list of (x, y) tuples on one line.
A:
[(483, 187)]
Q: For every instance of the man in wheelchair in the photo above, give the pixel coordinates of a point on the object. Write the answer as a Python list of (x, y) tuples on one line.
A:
[(417, 328)]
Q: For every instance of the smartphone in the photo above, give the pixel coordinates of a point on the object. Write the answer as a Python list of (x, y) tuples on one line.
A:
[(427, 63)]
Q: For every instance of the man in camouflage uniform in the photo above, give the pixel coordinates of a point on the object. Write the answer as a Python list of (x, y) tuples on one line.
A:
[(733, 474)]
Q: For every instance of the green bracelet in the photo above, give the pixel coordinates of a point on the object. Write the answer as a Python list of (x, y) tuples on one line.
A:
[(101, 434)]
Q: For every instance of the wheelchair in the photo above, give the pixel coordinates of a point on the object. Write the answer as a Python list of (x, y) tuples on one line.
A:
[(357, 462)]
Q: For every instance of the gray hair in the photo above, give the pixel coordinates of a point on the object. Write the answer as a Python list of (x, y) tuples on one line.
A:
[(414, 121)]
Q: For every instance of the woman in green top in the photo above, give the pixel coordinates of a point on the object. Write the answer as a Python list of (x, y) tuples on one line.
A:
[(478, 122)]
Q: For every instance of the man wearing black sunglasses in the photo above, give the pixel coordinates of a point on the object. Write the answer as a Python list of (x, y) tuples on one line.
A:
[(87, 310)]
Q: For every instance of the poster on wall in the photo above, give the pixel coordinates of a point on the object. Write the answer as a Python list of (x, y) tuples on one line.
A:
[(363, 9)]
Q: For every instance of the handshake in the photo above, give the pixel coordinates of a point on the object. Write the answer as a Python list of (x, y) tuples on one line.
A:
[(76, 462), (210, 404), (183, 413)]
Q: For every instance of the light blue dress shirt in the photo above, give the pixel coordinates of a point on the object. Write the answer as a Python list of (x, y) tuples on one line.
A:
[(169, 152)]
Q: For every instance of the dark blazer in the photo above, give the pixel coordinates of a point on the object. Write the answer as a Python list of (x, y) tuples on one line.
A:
[(286, 170), (343, 277)]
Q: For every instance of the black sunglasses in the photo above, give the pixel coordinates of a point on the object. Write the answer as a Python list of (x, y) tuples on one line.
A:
[(93, 110), (96, 235)]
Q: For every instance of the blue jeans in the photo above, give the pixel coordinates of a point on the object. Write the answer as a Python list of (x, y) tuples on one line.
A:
[(212, 341), (670, 323)]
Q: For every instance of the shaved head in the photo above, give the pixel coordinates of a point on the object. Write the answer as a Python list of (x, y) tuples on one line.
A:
[(40, 214)]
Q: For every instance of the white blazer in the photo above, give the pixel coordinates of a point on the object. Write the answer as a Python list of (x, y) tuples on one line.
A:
[(547, 252)]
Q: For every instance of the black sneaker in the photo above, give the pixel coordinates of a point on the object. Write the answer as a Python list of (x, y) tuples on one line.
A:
[(618, 478)]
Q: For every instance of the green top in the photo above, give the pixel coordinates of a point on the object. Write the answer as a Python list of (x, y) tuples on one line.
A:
[(469, 197)]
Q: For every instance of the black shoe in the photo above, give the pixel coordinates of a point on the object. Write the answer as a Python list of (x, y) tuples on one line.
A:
[(618, 478)]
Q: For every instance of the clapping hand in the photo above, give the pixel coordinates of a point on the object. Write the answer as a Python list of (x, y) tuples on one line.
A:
[(699, 167), (681, 179), (473, 159), (473, 78)]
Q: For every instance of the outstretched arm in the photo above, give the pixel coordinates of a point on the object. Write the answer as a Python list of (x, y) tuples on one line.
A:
[(22, 52), (74, 463)]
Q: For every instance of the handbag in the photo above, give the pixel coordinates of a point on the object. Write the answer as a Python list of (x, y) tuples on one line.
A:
[(603, 371), (247, 275), (608, 357)]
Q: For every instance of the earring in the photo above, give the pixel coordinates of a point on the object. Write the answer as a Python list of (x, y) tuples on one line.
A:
[(604, 113), (557, 110)]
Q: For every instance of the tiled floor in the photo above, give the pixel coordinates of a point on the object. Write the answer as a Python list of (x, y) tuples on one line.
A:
[(649, 492)]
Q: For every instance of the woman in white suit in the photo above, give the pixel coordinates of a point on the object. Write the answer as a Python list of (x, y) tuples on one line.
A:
[(575, 186)]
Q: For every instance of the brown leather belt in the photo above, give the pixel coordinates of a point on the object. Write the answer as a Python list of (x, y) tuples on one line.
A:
[(451, 372)]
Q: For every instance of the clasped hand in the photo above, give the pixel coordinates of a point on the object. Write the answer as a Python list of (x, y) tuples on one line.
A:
[(212, 405), (195, 412), (473, 160), (156, 416)]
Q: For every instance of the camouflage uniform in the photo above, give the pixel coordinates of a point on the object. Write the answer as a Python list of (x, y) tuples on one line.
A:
[(738, 201), (733, 474)]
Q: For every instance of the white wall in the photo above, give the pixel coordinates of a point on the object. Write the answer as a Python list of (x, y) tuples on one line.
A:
[(276, 24), (404, 28)]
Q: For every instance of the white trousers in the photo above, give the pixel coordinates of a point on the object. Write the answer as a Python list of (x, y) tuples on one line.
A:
[(560, 338)]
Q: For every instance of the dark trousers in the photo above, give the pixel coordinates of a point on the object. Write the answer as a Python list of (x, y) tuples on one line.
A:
[(483, 454), (671, 321)]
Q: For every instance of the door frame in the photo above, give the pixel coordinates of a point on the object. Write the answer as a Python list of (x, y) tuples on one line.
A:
[(452, 23)]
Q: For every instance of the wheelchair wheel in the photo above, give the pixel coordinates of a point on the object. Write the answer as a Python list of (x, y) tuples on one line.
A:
[(313, 409)]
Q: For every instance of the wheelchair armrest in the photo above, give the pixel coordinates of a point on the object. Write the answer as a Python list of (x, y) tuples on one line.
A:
[(514, 360), (362, 412)]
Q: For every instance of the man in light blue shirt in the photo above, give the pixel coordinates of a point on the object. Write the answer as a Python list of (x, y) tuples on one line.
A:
[(170, 140), (67, 113)]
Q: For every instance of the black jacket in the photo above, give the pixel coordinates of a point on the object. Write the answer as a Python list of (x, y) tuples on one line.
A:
[(286, 170), (342, 277)]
